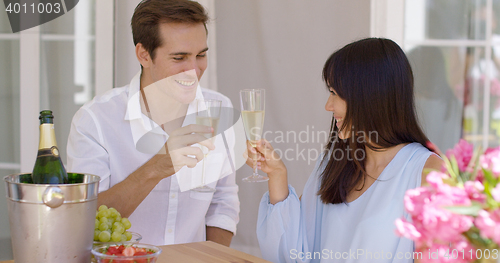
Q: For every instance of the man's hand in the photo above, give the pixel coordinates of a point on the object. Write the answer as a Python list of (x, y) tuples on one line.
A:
[(179, 152), (129, 193)]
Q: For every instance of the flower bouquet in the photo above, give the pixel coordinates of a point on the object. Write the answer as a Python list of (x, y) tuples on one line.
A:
[(456, 216)]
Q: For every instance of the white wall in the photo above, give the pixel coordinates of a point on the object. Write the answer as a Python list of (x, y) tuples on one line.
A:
[(280, 46), (126, 64)]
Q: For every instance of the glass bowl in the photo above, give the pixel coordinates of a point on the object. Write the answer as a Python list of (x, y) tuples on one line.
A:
[(136, 237), (99, 253)]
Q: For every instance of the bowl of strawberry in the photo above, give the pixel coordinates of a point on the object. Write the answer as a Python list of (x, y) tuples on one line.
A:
[(136, 253)]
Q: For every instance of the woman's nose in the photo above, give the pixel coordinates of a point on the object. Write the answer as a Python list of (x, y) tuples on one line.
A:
[(329, 104)]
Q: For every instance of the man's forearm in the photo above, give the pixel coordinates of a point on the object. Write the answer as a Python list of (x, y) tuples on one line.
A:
[(219, 235), (127, 195)]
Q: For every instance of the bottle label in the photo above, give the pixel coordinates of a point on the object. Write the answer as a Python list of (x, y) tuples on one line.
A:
[(47, 136)]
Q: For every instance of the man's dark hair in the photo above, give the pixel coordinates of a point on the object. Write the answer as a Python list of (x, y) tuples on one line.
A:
[(149, 14)]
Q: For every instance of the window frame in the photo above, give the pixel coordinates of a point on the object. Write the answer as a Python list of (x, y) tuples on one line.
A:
[(388, 20)]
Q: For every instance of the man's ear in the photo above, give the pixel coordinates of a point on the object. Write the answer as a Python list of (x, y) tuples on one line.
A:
[(143, 56)]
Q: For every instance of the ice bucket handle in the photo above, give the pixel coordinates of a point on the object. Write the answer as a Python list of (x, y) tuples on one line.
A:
[(53, 197)]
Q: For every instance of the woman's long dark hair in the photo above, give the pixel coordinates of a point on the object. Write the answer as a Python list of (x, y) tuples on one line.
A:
[(375, 79)]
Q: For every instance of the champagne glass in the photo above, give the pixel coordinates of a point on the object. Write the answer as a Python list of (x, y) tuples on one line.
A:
[(252, 113), (208, 114)]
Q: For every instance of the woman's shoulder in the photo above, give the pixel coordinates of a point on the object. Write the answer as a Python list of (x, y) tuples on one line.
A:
[(418, 151), (429, 159), (434, 162)]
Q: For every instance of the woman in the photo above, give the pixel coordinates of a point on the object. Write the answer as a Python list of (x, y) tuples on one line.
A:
[(355, 193)]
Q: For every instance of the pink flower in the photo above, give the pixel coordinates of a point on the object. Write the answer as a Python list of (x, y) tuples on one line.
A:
[(496, 234), (488, 224), (490, 160), (415, 199), (454, 252), (435, 179), (438, 231), (485, 224), (495, 193), (464, 246), (475, 191), (406, 229), (462, 151), (441, 224), (430, 218), (447, 195), (440, 253)]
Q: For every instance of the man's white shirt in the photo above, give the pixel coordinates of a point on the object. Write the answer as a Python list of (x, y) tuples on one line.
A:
[(111, 138)]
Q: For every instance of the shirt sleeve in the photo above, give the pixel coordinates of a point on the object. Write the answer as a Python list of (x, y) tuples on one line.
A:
[(224, 208), (85, 150), (291, 226)]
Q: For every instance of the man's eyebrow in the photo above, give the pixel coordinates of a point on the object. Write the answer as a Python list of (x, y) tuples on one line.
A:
[(180, 54), (186, 53)]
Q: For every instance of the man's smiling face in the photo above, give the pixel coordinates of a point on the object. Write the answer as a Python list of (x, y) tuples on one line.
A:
[(179, 61)]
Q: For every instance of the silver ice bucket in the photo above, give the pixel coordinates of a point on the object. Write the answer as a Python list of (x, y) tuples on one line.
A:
[(52, 223)]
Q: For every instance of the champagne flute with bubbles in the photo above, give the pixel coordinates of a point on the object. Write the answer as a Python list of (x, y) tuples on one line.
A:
[(208, 114), (252, 113)]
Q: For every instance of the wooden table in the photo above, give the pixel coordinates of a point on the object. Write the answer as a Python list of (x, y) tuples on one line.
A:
[(200, 252)]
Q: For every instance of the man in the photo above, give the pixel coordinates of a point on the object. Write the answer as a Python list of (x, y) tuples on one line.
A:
[(116, 135)]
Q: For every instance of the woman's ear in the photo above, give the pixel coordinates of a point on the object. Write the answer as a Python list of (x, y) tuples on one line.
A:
[(143, 56)]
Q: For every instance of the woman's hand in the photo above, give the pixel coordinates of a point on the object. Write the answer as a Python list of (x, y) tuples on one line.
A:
[(269, 162), (267, 159)]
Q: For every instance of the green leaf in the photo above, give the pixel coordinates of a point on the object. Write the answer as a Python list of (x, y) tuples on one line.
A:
[(456, 170), (490, 178), (472, 210), (474, 162), (449, 167), (454, 165), (475, 238)]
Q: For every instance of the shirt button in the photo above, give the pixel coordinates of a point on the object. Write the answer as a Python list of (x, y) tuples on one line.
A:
[(172, 196), (169, 230)]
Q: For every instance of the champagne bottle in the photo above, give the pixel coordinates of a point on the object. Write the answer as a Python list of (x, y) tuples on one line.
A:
[(48, 166)]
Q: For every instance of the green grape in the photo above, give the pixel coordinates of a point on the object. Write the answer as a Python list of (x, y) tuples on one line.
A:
[(104, 220), (118, 227), (103, 227), (97, 214), (111, 226), (126, 223), (104, 236), (116, 237), (103, 213), (128, 236), (102, 207), (114, 212)]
